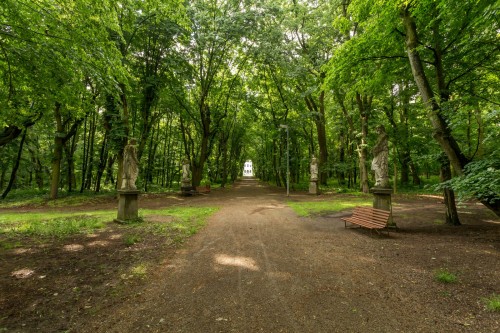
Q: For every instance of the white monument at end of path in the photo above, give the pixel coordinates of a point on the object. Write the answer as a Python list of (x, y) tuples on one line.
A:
[(248, 169)]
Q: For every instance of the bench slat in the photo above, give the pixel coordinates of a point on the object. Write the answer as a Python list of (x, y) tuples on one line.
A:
[(368, 217), (366, 223)]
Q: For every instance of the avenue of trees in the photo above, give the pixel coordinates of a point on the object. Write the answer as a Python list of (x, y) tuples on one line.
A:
[(213, 80)]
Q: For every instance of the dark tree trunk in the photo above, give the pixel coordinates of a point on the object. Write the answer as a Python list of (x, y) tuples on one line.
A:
[(103, 156), (451, 214), (85, 154), (110, 179), (58, 152), (16, 166), (69, 149)]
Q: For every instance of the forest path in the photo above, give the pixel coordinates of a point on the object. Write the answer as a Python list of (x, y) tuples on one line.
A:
[(257, 267)]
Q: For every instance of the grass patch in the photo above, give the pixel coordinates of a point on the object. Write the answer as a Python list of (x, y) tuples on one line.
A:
[(130, 240), (320, 207), (52, 224), (61, 227), (139, 271), (186, 220), (493, 303), (182, 223), (444, 276)]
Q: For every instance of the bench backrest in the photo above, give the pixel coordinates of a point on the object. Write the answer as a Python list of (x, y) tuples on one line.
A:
[(376, 216)]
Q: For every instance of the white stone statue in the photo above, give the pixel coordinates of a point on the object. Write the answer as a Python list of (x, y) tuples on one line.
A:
[(314, 169), (380, 163), (185, 170), (130, 166)]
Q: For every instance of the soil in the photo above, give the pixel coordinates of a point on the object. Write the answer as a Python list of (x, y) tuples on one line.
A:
[(258, 267)]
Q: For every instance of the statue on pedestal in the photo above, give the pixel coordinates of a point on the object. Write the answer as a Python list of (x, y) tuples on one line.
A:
[(130, 166), (380, 162), (313, 183), (185, 170), (314, 169)]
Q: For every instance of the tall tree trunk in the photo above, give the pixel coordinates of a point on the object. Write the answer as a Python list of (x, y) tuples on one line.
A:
[(318, 113), (451, 215), (364, 106), (199, 162), (342, 149), (16, 166), (103, 156), (85, 157), (58, 152), (69, 149), (90, 153), (442, 133), (110, 179)]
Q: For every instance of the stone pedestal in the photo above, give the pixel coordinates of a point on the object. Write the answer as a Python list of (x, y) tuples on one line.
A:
[(186, 188), (313, 187), (382, 200), (127, 206)]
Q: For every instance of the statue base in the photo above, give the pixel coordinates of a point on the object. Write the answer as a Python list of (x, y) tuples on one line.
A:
[(382, 200), (128, 210), (313, 187), (186, 188)]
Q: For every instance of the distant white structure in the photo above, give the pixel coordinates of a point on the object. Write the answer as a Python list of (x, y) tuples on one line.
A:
[(248, 169)]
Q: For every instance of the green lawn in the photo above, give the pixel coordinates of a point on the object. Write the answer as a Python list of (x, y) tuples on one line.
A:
[(334, 205), (183, 222)]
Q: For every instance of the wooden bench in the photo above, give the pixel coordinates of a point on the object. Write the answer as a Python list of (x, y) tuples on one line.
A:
[(368, 217), (203, 189)]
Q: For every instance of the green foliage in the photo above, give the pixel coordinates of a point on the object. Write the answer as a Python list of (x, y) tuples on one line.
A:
[(481, 180), (445, 276), (493, 303), (130, 240), (309, 208)]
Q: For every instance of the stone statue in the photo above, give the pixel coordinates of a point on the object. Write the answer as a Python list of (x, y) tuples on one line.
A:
[(130, 166), (185, 170), (380, 163), (314, 169)]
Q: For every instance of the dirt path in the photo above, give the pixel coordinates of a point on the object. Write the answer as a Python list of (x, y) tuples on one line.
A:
[(257, 267)]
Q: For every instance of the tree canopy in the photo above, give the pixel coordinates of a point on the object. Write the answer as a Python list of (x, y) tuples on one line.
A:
[(213, 81)]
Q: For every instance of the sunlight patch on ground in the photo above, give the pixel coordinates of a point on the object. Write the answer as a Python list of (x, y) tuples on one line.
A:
[(430, 196), (24, 251), (116, 236), (22, 273), (73, 247), (243, 262), (272, 206), (98, 243)]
